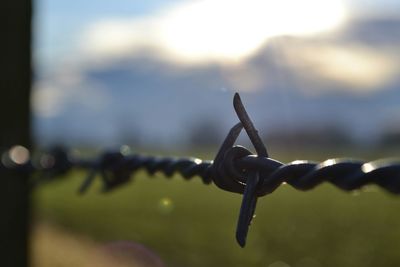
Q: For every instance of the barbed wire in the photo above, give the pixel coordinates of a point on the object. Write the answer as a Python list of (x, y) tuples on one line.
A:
[(234, 169)]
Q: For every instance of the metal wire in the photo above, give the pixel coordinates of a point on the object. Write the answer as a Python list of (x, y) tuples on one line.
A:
[(346, 174), (234, 169)]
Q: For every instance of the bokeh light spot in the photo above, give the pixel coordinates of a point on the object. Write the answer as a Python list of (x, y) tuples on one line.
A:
[(19, 154), (165, 205), (125, 150)]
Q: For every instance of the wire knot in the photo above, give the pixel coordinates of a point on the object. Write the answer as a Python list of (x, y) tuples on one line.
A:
[(229, 176)]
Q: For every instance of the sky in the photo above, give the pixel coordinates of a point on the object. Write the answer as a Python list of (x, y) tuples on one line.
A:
[(93, 59), (60, 24)]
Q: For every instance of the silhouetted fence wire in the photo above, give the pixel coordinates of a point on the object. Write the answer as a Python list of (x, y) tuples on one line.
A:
[(234, 169)]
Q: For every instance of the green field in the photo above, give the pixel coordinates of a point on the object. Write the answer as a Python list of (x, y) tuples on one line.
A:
[(190, 224)]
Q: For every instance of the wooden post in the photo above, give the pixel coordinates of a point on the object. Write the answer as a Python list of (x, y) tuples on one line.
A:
[(15, 83)]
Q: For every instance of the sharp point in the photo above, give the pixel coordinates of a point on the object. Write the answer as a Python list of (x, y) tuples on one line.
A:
[(239, 107), (236, 99), (248, 126), (241, 239)]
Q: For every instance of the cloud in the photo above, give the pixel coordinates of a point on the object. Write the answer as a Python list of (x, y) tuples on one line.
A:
[(66, 88), (210, 30), (232, 32), (346, 66), (314, 64)]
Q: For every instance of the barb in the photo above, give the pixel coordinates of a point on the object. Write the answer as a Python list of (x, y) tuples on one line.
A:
[(234, 169), (249, 126), (253, 181)]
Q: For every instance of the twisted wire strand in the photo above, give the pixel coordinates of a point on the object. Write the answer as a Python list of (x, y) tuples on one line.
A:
[(346, 174), (116, 169), (188, 168)]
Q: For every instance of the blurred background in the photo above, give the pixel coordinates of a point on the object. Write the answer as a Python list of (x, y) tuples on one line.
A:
[(153, 73), (319, 78)]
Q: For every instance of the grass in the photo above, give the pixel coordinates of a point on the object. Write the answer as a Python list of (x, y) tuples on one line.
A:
[(189, 224)]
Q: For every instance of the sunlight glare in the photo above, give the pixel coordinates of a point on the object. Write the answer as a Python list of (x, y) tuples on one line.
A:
[(234, 29)]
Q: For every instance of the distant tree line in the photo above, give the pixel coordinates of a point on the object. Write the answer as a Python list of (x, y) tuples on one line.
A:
[(310, 137), (390, 137)]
